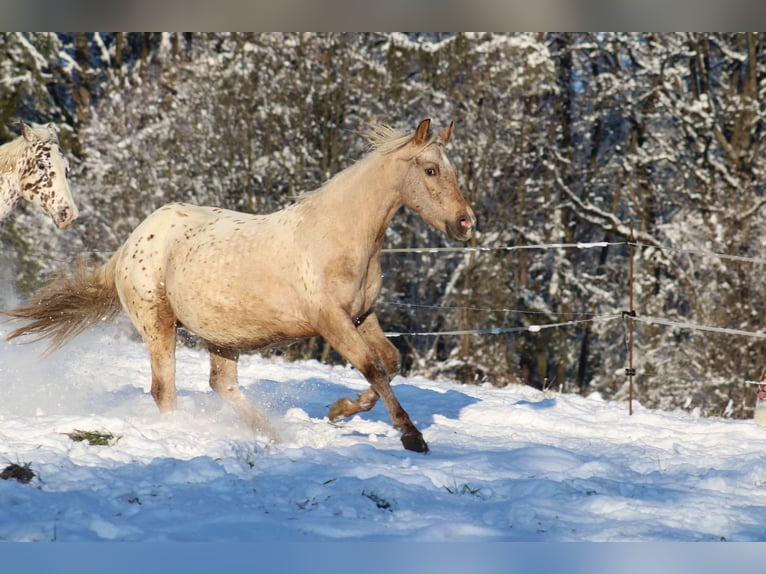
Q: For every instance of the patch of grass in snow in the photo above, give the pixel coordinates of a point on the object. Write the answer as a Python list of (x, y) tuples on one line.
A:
[(379, 501), (23, 473), (462, 490), (93, 438)]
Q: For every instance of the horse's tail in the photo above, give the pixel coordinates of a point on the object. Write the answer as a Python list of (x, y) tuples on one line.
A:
[(68, 305)]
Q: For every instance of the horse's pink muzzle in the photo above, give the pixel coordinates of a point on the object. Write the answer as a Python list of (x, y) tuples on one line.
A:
[(463, 228)]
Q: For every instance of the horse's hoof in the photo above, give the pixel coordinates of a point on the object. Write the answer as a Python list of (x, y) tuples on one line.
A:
[(414, 441), (339, 409)]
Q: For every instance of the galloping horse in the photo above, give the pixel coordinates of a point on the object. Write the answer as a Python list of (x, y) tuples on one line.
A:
[(33, 167), (246, 282)]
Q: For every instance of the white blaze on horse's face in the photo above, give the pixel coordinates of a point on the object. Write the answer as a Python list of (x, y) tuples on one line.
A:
[(43, 177), (431, 188)]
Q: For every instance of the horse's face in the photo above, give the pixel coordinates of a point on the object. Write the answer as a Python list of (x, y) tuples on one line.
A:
[(431, 188), (43, 176)]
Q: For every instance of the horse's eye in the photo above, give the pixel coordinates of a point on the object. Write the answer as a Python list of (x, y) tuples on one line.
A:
[(430, 171), (40, 166)]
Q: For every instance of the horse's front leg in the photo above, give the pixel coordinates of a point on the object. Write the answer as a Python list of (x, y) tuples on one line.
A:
[(368, 350), (373, 335)]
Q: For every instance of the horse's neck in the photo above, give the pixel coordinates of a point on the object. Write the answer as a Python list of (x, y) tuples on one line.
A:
[(10, 186), (365, 197), (9, 193)]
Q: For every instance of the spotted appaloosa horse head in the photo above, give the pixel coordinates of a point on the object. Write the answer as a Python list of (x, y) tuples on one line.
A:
[(42, 172)]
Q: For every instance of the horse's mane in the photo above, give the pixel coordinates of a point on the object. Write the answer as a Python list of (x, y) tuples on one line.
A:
[(10, 152), (386, 139), (381, 138)]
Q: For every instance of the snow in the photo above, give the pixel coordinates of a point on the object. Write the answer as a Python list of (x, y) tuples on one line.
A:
[(506, 464)]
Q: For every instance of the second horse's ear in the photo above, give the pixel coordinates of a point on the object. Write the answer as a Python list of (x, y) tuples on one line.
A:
[(53, 130), (421, 134), (446, 132), (27, 132)]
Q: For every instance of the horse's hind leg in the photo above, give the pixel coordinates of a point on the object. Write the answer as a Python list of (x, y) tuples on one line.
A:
[(223, 380), (160, 340)]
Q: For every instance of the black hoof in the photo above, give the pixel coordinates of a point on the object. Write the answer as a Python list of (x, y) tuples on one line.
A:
[(414, 442)]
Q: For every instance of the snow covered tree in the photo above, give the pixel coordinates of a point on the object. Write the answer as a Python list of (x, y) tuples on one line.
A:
[(562, 139), (35, 74)]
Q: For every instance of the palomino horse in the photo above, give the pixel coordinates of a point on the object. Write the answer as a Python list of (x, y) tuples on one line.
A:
[(246, 282), (33, 167)]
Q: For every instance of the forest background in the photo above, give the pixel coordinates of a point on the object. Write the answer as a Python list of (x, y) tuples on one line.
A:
[(562, 142)]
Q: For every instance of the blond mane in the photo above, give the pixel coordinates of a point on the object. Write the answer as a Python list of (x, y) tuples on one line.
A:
[(386, 139), (381, 138)]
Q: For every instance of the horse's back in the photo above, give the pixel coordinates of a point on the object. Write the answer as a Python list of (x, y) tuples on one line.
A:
[(174, 224), (175, 217)]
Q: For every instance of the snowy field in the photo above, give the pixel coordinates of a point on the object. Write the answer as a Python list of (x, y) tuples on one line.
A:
[(505, 464), (512, 464)]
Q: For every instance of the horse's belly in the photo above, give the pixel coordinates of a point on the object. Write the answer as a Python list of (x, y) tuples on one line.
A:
[(243, 328), (242, 340), (231, 305)]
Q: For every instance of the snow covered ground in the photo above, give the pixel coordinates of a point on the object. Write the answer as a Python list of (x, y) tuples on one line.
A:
[(512, 464)]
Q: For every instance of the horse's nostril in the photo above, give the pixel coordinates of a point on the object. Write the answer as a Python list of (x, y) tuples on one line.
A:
[(462, 228), (466, 223), (64, 217)]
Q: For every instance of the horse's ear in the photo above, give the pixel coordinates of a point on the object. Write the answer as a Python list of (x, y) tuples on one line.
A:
[(27, 132), (446, 132), (421, 134), (54, 131)]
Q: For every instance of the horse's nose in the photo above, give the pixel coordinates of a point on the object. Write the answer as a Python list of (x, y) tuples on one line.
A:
[(464, 226), (65, 216), (467, 223)]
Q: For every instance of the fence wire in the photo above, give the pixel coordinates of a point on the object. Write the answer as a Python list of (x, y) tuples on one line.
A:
[(593, 317)]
